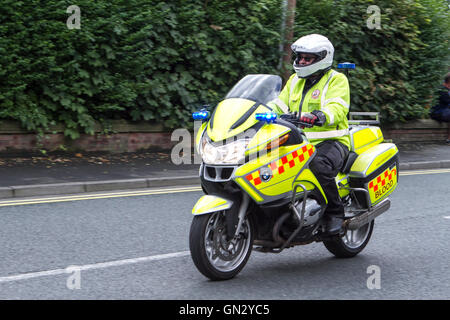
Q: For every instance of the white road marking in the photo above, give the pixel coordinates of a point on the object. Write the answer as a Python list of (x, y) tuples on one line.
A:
[(447, 217), (101, 265)]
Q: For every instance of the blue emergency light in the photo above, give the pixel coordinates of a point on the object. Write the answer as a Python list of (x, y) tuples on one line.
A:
[(267, 117), (201, 115), (346, 65)]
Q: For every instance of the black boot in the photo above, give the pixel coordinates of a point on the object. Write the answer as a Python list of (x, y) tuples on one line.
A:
[(333, 225)]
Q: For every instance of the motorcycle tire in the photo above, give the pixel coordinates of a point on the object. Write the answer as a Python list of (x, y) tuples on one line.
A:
[(208, 246), (352, 243)]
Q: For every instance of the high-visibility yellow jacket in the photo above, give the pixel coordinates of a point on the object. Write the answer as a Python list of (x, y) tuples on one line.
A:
[(331, 95)]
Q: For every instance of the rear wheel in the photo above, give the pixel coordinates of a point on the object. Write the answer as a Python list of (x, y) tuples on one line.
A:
[(213, 255), (352, 243)]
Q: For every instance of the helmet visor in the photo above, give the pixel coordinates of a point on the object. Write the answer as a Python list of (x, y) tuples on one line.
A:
[(308, 58)]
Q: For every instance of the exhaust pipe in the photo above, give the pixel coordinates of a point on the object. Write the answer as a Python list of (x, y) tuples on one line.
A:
[(363, 219)]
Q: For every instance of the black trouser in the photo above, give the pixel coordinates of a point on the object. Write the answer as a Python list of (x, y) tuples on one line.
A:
[(326, 164)]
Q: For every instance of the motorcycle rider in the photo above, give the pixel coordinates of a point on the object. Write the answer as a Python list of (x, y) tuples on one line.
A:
[(321, 97)]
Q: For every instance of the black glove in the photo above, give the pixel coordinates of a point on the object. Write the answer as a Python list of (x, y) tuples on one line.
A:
[(290, 117), (315, 118)]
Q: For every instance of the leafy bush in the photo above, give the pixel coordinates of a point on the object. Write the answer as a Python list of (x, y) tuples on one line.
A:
[(398, 66), (158, 60), (136, 60)]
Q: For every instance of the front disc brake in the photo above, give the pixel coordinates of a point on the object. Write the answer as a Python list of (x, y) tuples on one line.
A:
[(226, 250)]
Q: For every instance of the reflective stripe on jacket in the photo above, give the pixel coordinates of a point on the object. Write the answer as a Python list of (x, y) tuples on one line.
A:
[(331, 95)]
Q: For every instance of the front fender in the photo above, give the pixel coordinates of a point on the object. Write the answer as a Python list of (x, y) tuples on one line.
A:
[(209, 204)]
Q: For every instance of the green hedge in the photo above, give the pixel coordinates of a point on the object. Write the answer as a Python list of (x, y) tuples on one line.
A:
[(399, 66), (135, 59), (158, 60)]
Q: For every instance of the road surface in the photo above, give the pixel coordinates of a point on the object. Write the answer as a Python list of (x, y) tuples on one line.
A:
[(134, 245)]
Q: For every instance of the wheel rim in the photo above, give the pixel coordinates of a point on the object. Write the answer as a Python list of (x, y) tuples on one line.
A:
[(355, 238), (223, 255)]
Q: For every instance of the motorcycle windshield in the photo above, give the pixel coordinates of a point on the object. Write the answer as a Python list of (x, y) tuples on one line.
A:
[(235, 113), (261, 88)]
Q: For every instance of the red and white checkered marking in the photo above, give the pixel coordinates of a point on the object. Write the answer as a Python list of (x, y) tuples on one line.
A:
[(380, 181), (283, 164)]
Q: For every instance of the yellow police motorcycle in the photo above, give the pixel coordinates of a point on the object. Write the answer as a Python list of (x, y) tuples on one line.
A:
[(259, 191)]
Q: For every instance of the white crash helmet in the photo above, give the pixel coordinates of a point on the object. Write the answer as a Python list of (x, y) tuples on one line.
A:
[(313, 44)]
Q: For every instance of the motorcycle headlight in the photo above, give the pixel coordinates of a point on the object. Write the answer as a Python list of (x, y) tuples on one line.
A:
[(230, 153)]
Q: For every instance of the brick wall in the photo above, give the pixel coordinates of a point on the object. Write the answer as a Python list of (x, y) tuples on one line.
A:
[(125, 137), (423, 130), (119, 142), (128, 137)]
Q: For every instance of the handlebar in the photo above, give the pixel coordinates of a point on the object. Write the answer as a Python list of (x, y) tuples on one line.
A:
[(293, 118), (305, 124), (296, 131)]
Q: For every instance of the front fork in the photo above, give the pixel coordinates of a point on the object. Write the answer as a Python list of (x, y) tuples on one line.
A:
[(241, 216)]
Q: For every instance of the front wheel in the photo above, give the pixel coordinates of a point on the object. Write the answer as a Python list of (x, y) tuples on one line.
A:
[(215, 256), (352, 243)]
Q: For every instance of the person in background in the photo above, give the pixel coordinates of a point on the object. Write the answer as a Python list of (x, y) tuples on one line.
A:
[(441, 111)]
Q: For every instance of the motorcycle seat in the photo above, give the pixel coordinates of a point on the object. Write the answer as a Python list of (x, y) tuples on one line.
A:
[(348, 162)]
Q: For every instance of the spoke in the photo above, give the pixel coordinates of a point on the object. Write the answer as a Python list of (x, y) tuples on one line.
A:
[(215, 260), (210, 252), (207, 233), (346, 237)]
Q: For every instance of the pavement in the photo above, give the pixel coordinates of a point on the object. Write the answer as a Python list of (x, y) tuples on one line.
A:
[(55, 174)]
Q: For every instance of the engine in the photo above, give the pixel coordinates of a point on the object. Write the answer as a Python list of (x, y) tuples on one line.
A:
[(312, 209)]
